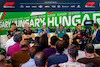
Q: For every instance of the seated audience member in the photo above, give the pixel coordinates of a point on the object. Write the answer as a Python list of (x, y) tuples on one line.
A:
[(43, 30), (43, 42), (10, 42), (21, 56), (72, 54), (91, 56), (59, 56), (36, 41), (12, 30), (31, 62), (40, 59), (2, 61), (37, 44), (16, 47), (52, 49), (65, 38), (27, 33)]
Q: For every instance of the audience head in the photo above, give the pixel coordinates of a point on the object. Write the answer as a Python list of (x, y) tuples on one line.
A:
[(26, 25), (78, 26), (37, 39), (17, 37), (44, 41), (73, 51), (2, 60), (66, 40), (24, 44), (60, 46), (54, 39), (32, 52), (95, 26), (13, 26), (40, 59), (89, 48)]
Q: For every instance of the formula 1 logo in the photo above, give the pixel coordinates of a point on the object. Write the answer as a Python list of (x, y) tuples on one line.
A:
[(9, 5), (90, 5)]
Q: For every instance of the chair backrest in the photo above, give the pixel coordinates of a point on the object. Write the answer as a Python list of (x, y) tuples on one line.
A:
[(9, 65)]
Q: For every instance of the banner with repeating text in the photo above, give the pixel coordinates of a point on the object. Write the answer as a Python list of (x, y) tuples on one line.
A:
[(68, 19)]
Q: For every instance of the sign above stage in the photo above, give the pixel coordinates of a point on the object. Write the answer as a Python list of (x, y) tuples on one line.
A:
[(49, 5)]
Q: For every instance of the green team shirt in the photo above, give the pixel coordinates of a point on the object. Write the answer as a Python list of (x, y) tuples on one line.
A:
[(60, 33)]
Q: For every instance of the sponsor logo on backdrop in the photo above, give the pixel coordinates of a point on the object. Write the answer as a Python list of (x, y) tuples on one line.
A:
[(90, 5), (9, 5)]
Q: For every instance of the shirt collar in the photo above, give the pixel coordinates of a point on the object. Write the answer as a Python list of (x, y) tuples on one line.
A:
[(96, 30), (32, 59)]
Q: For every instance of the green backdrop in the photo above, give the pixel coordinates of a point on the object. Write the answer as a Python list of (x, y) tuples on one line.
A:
[(67, 19)]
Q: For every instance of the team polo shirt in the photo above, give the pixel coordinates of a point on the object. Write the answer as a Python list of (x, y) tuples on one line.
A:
[(60, 33)]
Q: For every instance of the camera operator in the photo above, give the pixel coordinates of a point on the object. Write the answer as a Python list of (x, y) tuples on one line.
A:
[(96, 34)]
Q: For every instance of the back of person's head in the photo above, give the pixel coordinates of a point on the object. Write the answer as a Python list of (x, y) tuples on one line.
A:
[(24, 44), (32, 51), (44, 41), (60, 46), (73, 51), (2, 60), (66, 40), (96, 25), (40, 59), (89, 48), (17, 37), (37, 39), (54, 39), (65, 37)]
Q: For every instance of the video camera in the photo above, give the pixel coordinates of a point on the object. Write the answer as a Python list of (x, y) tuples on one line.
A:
[(87, 30)]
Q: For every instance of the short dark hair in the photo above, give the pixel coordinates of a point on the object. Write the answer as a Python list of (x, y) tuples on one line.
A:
[(43, 41), (96, 25), (24, 43), (60, 46), (66, 40), (17, 37), (89, 48), (37, 39), (54, 39), (13, 24), (40, 59), (78, 24), (32, 51), (73, 51)]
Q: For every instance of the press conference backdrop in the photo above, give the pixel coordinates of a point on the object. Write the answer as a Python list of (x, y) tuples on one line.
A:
[(68, 19)]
